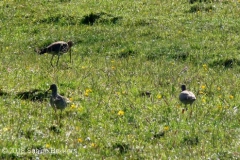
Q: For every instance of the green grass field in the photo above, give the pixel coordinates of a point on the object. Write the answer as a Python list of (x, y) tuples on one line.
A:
[(122, 49)]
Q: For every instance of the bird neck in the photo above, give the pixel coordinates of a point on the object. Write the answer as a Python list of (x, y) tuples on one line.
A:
[(54, 93)]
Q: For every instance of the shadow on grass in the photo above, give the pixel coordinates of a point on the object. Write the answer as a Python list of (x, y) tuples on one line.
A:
[(121, 147), (145, 94), (100, 17), (2, 93), (226, 63), (193, 140), (33, 95)]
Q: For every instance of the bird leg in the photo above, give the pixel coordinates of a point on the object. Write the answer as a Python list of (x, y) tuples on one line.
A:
[(70, 55), (51, 61), (58, 59), (61, 114), (184, 109)]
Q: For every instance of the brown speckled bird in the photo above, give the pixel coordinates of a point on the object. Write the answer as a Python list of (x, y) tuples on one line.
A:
[(58, 48), (186, 97)]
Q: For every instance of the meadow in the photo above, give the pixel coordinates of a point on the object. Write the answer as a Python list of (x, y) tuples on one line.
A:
[(129, 61)]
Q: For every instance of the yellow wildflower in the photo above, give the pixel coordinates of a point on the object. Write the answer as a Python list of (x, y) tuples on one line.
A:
[(120, 113), (80, 140), (47, 145), (113, 68), (5, 129), (201, 92), (73, 106), (218, 88), (231, 97), (93, 145), (205, 67), (159, 96), (203, 87), (166, 128), (86, 94), (124, 92), (88, 91), (204, 100)]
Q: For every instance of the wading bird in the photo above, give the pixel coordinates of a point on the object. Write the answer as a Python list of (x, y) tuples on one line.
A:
[(58, 48), (57, 101), (186, 97)]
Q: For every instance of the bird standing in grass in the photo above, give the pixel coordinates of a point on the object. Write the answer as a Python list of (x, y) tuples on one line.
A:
[(57, 101), (58, 48), (186, 97)]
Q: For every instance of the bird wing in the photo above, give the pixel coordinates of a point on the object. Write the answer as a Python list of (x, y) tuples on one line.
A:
[(59, 102), (59, 46), (187, 95), (191, 96)]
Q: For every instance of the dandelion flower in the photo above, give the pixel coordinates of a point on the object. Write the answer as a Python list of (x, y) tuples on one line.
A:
[(218, 88), (120, 113), (93, 145), (86, 94), (47, 145), (205, 67), (80, 140), (231, 97), (166, 128), (73, 106), (159, 96), (201, 92), (203, 87), (88, 91)]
